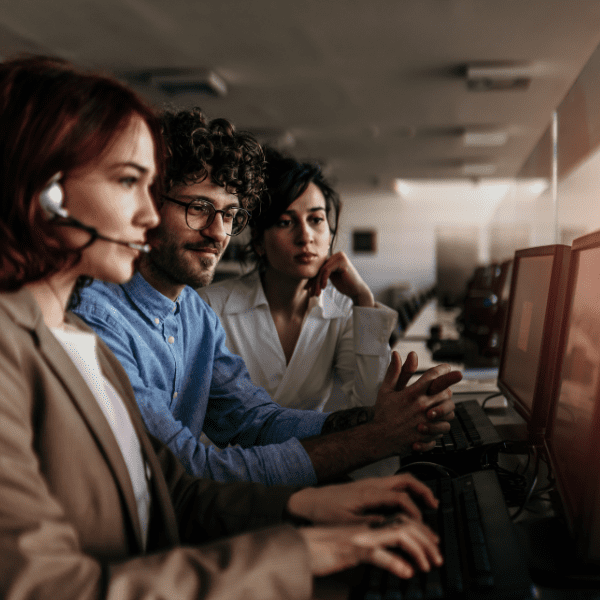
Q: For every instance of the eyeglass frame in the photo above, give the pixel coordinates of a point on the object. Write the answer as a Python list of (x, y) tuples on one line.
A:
[(214, 213)]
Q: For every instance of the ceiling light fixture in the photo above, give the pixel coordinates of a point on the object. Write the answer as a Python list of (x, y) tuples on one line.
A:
[(483, 139), (499, 76), (190, 81), (478, 169)]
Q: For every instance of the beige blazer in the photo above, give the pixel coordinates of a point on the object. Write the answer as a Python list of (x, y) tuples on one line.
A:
[(69, 526)]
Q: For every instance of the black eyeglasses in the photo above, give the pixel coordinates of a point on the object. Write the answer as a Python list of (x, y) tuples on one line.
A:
[(200, 214)]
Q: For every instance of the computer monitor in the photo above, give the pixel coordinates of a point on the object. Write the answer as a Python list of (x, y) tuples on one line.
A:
[(527, 375), (573, 436)]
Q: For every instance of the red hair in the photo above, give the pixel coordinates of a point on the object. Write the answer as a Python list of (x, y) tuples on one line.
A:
[(53, 118)]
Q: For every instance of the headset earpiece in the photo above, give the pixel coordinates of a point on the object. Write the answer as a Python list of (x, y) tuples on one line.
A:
[(52, 197)]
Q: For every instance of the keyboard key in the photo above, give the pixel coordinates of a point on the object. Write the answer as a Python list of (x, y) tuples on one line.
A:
[(393, 588), (432, 587), (413, 589)]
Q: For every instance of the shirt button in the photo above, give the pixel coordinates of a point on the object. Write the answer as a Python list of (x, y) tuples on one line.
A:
[(171, 340), (175, 395), (157, 320)]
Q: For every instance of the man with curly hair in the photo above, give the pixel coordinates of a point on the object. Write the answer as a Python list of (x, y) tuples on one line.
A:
[(172, 344)]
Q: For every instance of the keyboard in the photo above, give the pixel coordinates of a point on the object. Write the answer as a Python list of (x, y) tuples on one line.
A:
[(483, 559), (471, 442)]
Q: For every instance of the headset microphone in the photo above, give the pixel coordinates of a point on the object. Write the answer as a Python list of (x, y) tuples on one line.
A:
[(51, 199)]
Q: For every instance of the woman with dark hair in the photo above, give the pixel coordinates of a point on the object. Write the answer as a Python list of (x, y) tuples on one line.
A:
[(91, 506), (304, 316)]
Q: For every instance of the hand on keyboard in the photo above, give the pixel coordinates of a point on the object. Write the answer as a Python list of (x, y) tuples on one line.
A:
[(360, 501), (334, 549)]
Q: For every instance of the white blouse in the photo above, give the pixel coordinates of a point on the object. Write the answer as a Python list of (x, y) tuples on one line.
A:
[(81, 347), (339, 343)]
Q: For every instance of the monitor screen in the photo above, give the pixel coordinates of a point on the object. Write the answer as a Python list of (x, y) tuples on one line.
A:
[(574, 431), (527, 374)]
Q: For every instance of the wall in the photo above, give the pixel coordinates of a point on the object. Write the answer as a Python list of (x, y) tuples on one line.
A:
[(578, 201), (410, 226), (579, 197), (405, 240)]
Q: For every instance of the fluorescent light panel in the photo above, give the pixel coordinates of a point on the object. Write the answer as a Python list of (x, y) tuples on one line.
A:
[(500, 71), (484, 139), (477, 170), (196, 81)]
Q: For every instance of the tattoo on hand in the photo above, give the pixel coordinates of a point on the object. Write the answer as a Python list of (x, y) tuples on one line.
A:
[(345, 419)]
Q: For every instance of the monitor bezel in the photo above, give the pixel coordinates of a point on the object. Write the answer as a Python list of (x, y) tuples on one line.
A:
[(582, 520), (547, 376)]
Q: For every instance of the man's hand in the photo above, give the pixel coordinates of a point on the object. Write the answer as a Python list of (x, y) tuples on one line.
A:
[(347, 502), (415, 415), (333, 549)]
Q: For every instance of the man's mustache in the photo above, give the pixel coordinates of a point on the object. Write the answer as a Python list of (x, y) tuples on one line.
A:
[(215, 247)]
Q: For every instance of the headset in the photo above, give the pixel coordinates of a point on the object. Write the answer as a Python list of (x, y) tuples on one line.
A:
[(51, 200)]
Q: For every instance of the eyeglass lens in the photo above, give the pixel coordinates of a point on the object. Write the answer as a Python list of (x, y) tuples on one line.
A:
[(201, 215)]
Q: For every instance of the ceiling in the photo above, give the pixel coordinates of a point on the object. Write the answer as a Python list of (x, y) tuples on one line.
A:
[(376, 89)]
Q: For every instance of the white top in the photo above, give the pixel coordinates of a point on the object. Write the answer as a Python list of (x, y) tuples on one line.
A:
[(336, 339), (81, 347)]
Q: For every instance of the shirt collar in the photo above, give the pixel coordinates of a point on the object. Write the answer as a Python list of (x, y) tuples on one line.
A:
[(248, 293), (149, 300)]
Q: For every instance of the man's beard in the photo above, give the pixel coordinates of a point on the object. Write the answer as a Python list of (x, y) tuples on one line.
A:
[(178, 265)]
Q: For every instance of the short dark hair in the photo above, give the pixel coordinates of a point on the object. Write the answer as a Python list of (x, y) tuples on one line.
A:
[(286, 179), (53, 118), (195, 144)]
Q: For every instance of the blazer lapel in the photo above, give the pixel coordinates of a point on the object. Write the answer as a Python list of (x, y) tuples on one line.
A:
[(87, 404)]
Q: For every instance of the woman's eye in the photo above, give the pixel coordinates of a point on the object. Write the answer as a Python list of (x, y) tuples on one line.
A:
[(317, 220), (128, 182), (284, 223)]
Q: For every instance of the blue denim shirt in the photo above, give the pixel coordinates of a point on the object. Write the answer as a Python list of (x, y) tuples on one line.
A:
[(186, 381)]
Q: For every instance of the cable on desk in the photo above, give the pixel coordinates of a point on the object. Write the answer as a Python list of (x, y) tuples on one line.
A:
[(494, 395), (531, 487), (510, 446), (513, 485)]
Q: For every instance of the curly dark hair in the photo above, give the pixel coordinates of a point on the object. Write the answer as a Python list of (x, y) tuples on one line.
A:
[(286, 179), (194, 143)]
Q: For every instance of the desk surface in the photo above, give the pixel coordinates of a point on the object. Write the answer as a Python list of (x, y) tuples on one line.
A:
[(417, 333)]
